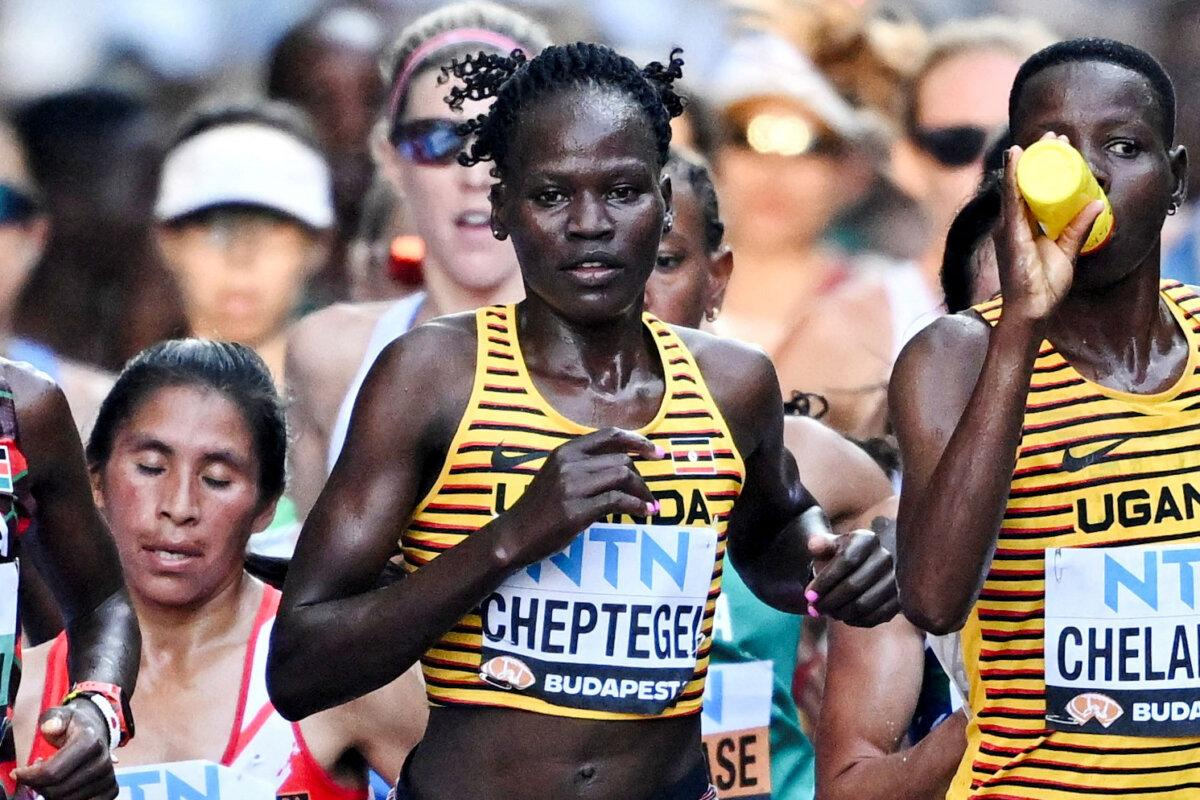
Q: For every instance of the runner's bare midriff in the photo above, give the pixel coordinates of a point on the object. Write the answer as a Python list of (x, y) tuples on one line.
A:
[(517, 755)]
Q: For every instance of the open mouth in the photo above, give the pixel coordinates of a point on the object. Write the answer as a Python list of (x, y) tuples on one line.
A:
[(169, 557), (594, 270)]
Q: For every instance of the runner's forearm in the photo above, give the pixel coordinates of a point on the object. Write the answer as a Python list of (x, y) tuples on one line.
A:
[(306, 669), (921, 772), (105, 645), (947, 529)]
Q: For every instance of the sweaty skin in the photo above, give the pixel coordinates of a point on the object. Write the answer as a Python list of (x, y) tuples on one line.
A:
[(959, 391), (582, 179), (90, 591), (202, 497)]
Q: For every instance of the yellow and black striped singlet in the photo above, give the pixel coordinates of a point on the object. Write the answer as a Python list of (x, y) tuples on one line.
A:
[(501, 443), (1096, 468)]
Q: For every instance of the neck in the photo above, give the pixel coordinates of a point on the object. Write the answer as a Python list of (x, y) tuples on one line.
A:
[(1082, 328), (603, 355), (175, 631), (444, 296)]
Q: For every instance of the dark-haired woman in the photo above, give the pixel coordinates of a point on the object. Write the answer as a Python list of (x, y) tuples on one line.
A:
[(463, 268), (751, 723), (187, 460), (564, 514)]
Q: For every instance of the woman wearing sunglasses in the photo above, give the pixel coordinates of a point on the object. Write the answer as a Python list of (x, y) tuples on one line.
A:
[(957, 106), (464, 267)]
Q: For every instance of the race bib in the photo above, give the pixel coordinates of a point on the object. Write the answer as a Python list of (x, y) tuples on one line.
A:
[(189, 780), (611, 623), (735, 723), (1122, 646)]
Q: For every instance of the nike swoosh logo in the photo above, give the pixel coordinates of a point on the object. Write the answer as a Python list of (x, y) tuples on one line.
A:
[(504, 462), (1074, 463)]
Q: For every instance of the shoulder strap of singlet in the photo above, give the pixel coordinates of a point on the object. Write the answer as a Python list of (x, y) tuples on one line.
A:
[(54, 688), (391, 325), (254, 706)]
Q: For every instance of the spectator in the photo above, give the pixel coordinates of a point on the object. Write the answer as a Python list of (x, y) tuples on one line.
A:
[(99, 293), (465, 266), (23, 231), (326, 66), (187, 459), (244, 207), (957, 105), (794, 155)]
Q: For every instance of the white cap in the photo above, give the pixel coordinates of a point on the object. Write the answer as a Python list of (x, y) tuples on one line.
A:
[(763, 65), (246, 163)]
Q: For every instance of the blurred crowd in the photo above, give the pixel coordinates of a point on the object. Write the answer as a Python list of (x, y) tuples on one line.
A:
[(283, 175)]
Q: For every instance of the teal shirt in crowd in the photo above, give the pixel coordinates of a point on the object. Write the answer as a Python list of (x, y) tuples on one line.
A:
[(749, 689)]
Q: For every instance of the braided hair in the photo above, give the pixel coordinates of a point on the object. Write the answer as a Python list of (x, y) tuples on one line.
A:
[(692, 168), (514, 82)]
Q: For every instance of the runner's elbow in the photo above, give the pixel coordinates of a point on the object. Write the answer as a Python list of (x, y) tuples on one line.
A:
[(932, 614), (288, 679)]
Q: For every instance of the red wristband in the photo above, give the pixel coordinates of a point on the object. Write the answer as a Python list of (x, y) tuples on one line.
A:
[(111, 693)]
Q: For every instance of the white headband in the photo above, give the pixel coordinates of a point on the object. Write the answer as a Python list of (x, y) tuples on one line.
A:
[(246, 163)]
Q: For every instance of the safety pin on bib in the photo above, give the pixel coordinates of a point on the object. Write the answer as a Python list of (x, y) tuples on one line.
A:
[(1058, 573)]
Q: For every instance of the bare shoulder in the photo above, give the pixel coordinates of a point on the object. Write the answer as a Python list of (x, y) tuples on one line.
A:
[(39, 400), (742, 382), (425, 376), (735, 372), (332, 339), (953, 344)]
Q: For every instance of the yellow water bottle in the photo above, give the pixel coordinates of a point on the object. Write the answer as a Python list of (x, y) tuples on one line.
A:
[(1055, 180)]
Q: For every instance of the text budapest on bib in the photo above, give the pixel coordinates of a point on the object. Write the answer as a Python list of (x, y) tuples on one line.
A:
[(611, 623), (1123, 640)]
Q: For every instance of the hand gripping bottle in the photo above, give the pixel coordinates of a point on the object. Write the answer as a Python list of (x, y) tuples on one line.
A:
[(1057, 184)]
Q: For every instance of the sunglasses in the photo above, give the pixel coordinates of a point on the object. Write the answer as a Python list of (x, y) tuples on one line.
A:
[(782, 135), (431, 142), (953, 146), (15, 206)]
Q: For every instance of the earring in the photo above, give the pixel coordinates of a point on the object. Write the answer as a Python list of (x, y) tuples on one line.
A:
[(668, 222), (1171, 209), (712, 314)]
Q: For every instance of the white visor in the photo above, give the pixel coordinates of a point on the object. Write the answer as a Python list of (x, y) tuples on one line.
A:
[(250, 164)]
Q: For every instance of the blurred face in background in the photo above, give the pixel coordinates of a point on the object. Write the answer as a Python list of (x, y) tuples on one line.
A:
[(22, 225), (241, 270), (446, 203), (960, 104), (333, 75), (784, 176)]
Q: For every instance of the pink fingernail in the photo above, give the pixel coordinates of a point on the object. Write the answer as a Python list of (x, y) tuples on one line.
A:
[(812, 612), (659, 452), (651, 508), (811, 596)]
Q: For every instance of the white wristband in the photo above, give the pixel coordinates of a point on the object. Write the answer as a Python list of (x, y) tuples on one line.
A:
[(110, 717)]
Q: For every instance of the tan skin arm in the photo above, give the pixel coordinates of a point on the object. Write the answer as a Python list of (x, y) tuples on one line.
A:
[(383, 726), (308, 448), (840, 475), (74, 551), (860, 755), (957, 398)]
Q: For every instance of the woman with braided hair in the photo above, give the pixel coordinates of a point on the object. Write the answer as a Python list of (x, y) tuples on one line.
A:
[(564, 512)]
